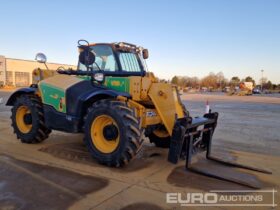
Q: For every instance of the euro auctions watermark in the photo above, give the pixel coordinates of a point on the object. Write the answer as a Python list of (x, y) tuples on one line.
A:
[(245, 198)]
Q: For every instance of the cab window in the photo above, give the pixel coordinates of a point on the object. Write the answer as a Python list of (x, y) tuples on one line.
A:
[(129, 62), (105, 59)]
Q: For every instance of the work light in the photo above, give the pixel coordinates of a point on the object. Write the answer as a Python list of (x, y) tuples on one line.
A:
[(99, 77)]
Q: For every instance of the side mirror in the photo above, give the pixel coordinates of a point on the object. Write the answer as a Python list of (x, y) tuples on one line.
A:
[(41, 58), (86, 57), (145, 53)]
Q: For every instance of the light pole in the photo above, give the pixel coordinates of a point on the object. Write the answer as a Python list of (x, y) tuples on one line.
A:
[(262, 80)]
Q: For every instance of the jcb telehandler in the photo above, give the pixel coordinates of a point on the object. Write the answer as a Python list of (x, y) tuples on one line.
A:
[(114, 101)]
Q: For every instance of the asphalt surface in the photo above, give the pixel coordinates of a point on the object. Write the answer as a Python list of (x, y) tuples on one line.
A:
[(247, 123), (60, 174)]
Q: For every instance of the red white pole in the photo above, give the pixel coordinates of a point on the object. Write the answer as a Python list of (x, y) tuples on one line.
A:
[(207, 107)]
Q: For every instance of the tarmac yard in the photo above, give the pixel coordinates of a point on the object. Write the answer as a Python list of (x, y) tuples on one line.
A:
[(60, 174)]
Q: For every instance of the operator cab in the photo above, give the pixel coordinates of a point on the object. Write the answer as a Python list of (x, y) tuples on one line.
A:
[(117, 59)]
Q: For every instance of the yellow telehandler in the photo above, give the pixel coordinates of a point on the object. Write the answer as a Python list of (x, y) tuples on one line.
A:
[(114, 101)]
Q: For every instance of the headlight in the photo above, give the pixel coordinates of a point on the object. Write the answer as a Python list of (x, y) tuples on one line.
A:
[(99, 77)]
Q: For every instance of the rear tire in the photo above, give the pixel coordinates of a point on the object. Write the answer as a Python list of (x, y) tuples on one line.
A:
[(123, 140), (28, 119)]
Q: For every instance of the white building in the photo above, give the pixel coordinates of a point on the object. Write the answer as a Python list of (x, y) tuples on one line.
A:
[(18, 72)]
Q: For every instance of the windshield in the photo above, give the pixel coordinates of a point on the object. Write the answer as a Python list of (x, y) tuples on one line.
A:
[(105, 59)]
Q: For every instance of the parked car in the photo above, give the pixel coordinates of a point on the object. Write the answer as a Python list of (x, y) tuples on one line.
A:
[(256, 91), (226, 89)]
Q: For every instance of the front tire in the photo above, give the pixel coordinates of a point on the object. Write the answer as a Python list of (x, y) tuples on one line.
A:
[(160, 138), (112, 132), (28, 119)]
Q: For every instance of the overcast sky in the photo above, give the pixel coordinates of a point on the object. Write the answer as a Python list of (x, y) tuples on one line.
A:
[(190, 38)]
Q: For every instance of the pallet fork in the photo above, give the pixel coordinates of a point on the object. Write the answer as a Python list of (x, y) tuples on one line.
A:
[(192, 134)]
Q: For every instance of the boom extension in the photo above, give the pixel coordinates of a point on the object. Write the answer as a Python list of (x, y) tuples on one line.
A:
[(187, 139)]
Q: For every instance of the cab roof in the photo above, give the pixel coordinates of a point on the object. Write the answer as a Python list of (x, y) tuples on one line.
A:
[(122, 46)]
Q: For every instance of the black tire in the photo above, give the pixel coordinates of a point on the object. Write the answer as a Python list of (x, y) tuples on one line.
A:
[(38, 131), (130, 138), (162, 142)]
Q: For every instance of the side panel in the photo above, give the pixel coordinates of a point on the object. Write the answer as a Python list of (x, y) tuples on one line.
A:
[(135, 88), (59, 121), (53, 96), (120, 84), (53, 90)]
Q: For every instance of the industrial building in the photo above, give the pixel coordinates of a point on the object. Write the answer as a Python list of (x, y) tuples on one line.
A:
[(18, 72)]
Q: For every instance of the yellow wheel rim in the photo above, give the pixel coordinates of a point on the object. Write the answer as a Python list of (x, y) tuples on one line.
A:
[(21, 124), (97, 135), (161, 133)]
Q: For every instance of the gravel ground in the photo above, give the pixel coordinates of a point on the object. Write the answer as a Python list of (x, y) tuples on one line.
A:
[(248, 123), (59, 173)]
